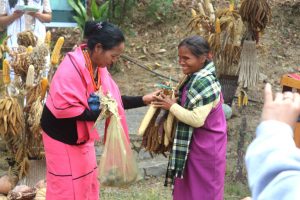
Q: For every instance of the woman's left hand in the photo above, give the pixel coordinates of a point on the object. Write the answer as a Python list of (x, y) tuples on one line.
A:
[(163, 101)]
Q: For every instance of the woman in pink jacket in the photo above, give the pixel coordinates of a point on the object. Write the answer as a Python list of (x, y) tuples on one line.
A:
[(72, 108)]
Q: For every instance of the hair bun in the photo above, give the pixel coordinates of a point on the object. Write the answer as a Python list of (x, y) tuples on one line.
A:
[(92, 27)]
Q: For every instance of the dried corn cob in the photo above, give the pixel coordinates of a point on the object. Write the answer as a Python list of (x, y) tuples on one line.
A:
[(201, 9), (30, 76), (48, 39), (6, 69), (194, 13), (231, 5), (29, 49), (147, 118), (56, 51), (44, 85), (218, 26)]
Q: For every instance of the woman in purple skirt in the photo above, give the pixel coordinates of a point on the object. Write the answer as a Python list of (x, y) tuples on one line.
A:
[(198, 158)]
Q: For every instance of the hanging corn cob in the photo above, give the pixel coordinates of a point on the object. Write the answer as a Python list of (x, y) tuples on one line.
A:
[(56, 51), (30, 76), (218, 26), (6, 72), (29, 49), (231, 5), (44, 86), (48, 39)]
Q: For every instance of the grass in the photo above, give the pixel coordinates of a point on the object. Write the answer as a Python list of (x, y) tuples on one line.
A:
[(153, 189), (150, 189)]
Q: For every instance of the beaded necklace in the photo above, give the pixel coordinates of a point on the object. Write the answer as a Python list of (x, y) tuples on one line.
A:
[(90, 68)]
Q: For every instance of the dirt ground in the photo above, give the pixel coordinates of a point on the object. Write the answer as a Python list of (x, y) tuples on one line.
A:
[(154, 45)]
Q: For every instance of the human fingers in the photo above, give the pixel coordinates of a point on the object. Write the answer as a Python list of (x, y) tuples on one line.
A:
[(289, 96), (296, 101), (268, 96), (278, 97), (157, 104)]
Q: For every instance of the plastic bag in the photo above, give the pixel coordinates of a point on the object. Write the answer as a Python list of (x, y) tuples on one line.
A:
[(117, 166)]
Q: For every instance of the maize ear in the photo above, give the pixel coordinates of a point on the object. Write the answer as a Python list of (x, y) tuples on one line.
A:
[(201, 9), (245, 100), (48, 39), (30, 76), (169, 124), (147, 118), (239, 101), (194, 13), (231, 5), (166, 139), (44, 86), (206, 4), (6, 72), (56, 51), (169, 127), (218, 26), (29, 49)]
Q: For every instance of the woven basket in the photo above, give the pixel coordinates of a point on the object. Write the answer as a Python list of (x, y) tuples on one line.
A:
[(229, 85)]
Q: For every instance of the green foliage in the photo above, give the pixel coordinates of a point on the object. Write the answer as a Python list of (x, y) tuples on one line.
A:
[(81, 14), (99, 13), (120, 10), (159, 10)]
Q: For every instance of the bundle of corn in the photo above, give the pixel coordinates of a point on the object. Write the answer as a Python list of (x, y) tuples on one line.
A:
[(11, 121), (34, 116), (223, 30), (20, 126), (20, 61), (203, 21), (248, 67), (27, 38), (157, 128), (37, 58), (257, 14)]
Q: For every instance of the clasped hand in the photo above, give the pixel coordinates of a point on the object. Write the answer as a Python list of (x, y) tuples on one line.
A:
[(94, 102), (163, 101)]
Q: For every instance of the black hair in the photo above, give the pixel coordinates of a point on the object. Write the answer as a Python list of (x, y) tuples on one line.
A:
[(105, 33), (196, 44)]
